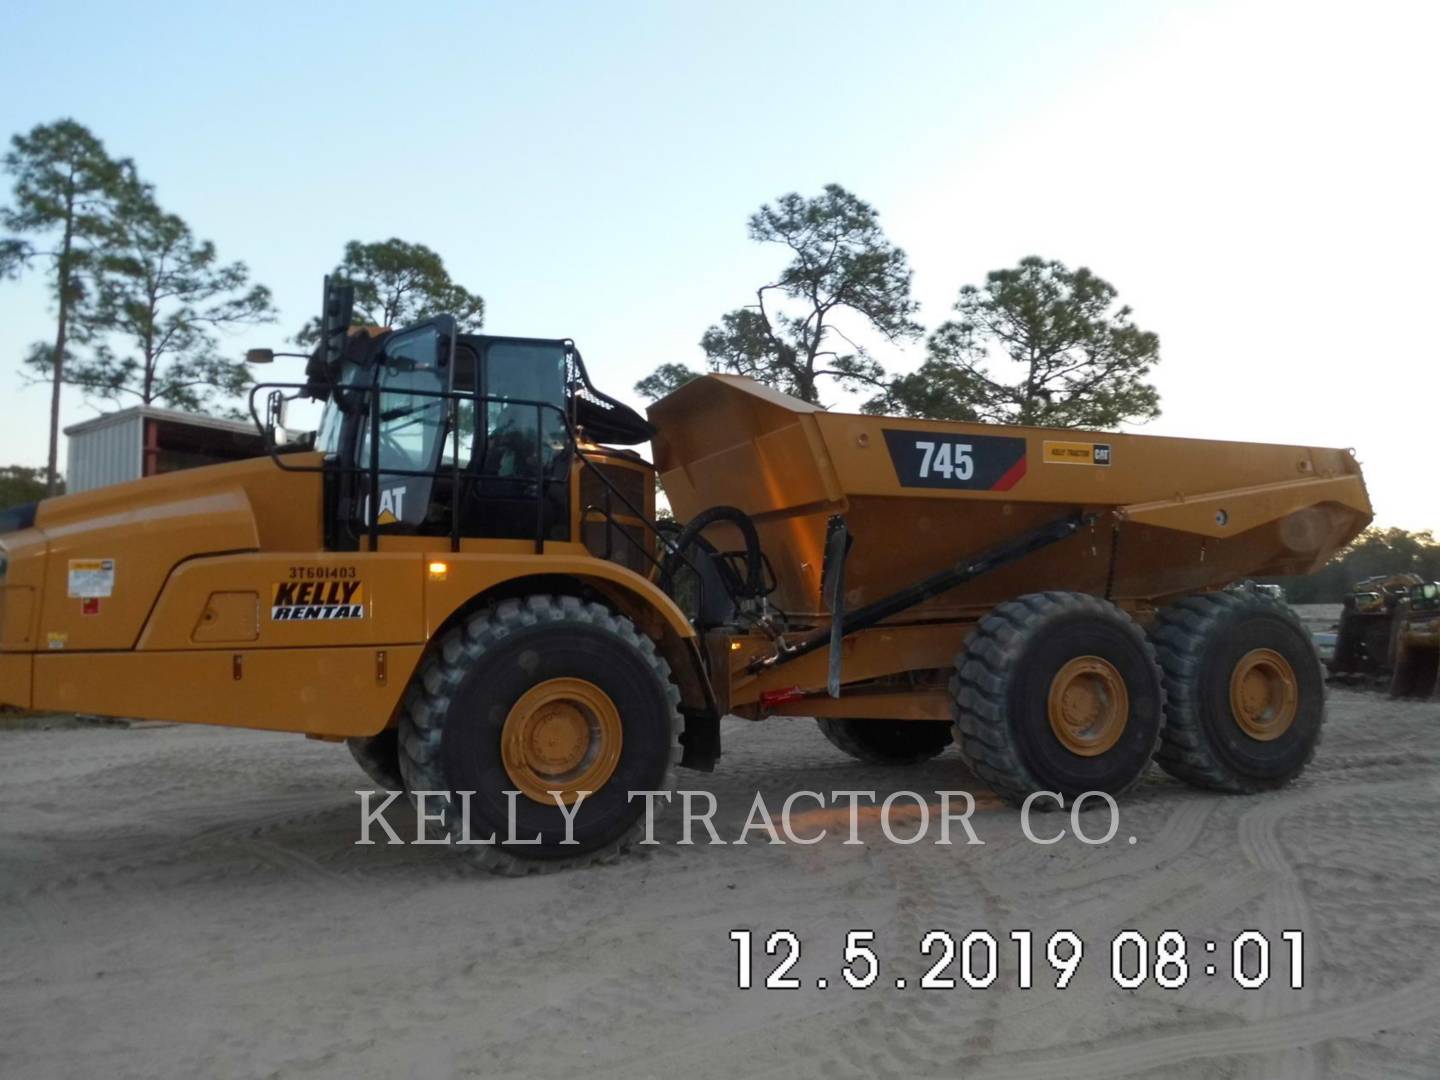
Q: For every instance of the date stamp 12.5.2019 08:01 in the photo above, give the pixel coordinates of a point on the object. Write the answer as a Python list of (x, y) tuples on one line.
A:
[(947, 961)]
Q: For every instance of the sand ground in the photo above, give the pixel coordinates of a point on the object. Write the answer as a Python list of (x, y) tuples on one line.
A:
[(185, 901)]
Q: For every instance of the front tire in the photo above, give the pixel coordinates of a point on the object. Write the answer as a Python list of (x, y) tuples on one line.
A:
[(1057, 692), (1245, 692), (379, 758), (546, 694), (886, 742)]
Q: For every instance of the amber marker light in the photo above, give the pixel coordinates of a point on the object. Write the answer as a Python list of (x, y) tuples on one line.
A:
[(438, 570)]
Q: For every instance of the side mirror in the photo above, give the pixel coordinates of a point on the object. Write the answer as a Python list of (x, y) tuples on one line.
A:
[(259, 356), (281, 416)]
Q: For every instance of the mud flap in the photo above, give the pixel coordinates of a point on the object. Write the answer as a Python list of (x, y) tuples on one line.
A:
[(700, 739)]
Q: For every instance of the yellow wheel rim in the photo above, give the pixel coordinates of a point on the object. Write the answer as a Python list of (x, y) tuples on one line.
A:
[(561, 735), (1264, 694), (1088, 706)]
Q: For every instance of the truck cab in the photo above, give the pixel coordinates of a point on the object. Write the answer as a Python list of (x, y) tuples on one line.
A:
[(427, 432)]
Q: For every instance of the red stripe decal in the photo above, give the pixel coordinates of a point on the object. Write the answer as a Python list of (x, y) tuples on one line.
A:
[(1012, 476)]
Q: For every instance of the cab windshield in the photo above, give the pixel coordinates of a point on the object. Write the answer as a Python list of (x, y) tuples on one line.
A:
[(516, 374)]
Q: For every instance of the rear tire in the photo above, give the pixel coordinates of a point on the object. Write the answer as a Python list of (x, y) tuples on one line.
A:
[(1245, 694), (887, 742), (1057, 692), (548, 692)]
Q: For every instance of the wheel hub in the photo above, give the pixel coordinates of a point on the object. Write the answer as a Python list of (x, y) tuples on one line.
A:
[(1088, 705), (1264, 694), (561, 735)]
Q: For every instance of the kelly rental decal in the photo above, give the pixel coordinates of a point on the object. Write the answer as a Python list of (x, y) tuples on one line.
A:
[(303, 601)]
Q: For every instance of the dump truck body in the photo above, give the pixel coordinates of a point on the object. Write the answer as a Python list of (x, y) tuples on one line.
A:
[(1174, 516), (1166, 517)]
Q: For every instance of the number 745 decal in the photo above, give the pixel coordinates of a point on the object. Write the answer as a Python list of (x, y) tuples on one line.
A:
[(968, 462), (951, 460)]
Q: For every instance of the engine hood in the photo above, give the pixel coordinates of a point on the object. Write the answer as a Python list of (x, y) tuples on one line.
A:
[(126, 539)]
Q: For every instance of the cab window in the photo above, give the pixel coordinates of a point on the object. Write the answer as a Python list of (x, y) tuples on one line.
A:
[(521, 439)]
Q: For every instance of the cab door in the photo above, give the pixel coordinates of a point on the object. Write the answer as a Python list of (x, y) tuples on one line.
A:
[(521, 457), (403, 430)]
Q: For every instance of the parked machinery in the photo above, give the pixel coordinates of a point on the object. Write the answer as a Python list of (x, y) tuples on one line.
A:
[(1389, 634), (462, 575)]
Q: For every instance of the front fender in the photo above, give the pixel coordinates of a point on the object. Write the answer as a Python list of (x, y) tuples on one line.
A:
[(468, 576)]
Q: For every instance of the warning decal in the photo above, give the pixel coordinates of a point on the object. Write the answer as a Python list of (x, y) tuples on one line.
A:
[(91, 578), (1075, 453)]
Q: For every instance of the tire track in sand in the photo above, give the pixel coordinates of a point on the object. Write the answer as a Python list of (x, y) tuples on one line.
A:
[(1412, 1005), (909, 1034), (1287, 908)]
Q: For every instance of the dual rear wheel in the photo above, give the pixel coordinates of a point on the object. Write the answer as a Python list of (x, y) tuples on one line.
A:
[(1064, 692), (1245, 690)]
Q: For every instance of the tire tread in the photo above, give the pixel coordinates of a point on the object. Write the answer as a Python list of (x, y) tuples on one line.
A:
[(980, 685), (426, 705), (1181, 634)]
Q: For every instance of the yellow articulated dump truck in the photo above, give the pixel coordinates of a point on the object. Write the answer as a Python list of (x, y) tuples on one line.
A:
[(461, 574)]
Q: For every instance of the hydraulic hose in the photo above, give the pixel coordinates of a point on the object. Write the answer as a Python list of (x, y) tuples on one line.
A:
[(754, 583)]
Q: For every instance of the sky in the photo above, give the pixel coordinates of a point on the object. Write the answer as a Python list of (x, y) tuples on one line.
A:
[(1258, 180)]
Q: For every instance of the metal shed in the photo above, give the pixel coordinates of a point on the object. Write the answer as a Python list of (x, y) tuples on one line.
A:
[(145, 440)]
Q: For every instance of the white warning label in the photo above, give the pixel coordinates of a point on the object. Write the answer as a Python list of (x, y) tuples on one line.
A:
[(91, 578)]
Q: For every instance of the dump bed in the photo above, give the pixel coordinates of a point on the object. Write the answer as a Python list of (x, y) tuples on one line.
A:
[(1172, 516)]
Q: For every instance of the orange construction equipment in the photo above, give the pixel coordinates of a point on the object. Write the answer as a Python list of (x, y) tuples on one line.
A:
[(462, 576)]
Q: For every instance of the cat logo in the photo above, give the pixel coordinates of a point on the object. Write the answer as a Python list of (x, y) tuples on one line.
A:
[(302, 601), (392, 505)]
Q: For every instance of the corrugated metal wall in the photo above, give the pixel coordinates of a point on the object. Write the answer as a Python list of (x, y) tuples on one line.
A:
[(107, 454)]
